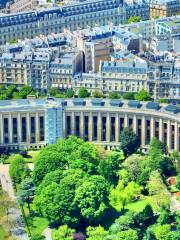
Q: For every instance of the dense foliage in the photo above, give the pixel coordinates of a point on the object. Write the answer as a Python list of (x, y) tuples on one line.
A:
[(12, 92), (82, 189)]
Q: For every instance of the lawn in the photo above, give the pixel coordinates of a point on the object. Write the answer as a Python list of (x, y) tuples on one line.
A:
[(2, 233), (138, 206), (37, 225), (32, 155)]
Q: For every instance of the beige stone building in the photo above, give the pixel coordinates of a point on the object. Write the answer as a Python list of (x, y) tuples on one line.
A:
[(164, 8), (25, 5)]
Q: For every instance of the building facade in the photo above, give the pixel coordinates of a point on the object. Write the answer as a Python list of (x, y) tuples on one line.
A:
[(28, 124), (72, 17), (164, 8), (24, 5)]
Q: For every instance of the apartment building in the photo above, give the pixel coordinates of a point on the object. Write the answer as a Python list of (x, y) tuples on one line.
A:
[(164, 8), (89, 13), (125, 73)]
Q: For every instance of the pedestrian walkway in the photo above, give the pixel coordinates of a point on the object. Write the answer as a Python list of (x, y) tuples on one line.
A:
[(18, 231)]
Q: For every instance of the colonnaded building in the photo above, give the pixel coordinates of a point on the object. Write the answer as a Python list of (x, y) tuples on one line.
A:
[(35, 123)]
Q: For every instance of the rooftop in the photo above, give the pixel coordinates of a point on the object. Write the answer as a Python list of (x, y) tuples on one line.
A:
[(90, 103)]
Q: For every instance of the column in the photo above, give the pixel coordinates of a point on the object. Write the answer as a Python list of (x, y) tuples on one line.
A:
[(176, 135), (10, 128), (108, 130), (143, 132), (72, 123), (1, 128), (90, 127), (37, 127), (19, 128), (82, 125), (117, 130), (125, 121), (99, 137), (169, 134), (135, 124), (28, 128), (64, 125), (152, 128), (161, 138)]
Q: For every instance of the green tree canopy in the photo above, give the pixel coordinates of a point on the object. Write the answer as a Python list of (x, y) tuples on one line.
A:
[(83, 93), (92, 199), (129, 141), (129, 234), (121, 195), (26, 90), (134, 19), (114, 95), (143, 95), (69, 93), (54, 91), (18, 168), (98, 233), (63, 233), (163, 232), (128, 96), (157, 189), (54, 176), (132, 165), (26, 191), (110, 166), (56, 201), (66, 153)]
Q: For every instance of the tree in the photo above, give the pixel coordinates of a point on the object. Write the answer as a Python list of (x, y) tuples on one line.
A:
[(69, 93), (165, 217), (56, 201), (98, 233), (66, 153), (18, 169), (178, 181), (110, 166), (163, 232), (97, 94), (6, 204), (114, 95), (124, 222), (175, 156), (155, 155), (3, 96), (49, 159), (26, 90), (129, 141), (128, 96), (83, 93), (121, 195), (54, 176), (10, 90), (63, 233), (143, 95), (158, 190), (129, 234), (133, 167), (54, 91), (26, 191), (91, 199), (134, 19)]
